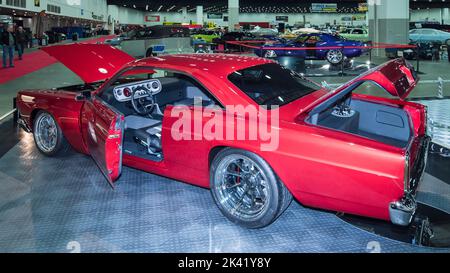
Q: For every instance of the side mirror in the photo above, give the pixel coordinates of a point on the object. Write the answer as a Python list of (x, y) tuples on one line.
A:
[(83, 96)]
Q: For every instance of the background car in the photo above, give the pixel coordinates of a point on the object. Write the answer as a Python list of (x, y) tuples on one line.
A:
[(264, 32), (429, 35), (356, 34), (314, 40), (206, 35)]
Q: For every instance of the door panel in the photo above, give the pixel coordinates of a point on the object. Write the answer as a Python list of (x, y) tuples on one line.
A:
[(103, 130)]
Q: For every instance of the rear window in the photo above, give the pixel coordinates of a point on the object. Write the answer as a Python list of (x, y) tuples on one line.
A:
[(272, 84)]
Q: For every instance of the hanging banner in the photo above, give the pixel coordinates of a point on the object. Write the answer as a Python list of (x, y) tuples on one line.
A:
[(215, 15), (152, 18), (363, 7), (282, 18), (323, 7)]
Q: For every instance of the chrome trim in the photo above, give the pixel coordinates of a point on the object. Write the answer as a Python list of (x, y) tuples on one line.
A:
[(24, 125), (402, 212)]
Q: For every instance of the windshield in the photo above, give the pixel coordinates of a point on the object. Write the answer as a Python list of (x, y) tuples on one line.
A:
[(272, 84)]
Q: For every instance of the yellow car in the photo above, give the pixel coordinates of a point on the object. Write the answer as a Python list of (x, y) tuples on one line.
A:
[(206, 35)]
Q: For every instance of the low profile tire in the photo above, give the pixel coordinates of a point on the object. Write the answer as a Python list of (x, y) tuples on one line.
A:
[(335, 56), (270, 54), (246, 190), (48, 136)]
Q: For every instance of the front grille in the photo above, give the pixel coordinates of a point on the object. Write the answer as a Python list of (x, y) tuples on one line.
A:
[(419, 164)]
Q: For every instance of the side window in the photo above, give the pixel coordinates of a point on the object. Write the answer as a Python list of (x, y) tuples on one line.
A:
[(302, 39), (180, 89)]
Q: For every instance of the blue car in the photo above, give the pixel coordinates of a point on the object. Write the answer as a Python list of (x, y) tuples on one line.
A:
[(333, 56), (429, 35)]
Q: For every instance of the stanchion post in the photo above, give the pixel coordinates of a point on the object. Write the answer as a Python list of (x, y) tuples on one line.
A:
[(418, 59), (16, 113), (343, 62)]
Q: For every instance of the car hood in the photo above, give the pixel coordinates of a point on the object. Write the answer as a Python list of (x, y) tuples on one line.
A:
[(91, 62)]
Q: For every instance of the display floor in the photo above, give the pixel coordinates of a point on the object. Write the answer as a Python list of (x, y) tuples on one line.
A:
[(64, 204), (61, 204)]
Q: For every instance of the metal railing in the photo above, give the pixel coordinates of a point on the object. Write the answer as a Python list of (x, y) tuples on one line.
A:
[(13, 112)]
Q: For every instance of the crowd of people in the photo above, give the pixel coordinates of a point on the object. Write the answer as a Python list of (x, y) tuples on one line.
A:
[(12, 41)]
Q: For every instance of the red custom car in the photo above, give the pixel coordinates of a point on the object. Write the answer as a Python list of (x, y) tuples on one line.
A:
[(337, 150)]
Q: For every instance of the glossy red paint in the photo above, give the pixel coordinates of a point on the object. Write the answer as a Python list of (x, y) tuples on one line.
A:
[(91, 62), (322, 168)]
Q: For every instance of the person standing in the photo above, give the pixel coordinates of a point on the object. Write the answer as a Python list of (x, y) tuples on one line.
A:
[(21, 40), (8, 42)]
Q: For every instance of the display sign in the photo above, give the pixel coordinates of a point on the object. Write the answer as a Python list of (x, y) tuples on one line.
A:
[(363, 7), (152, 18), (6, 19), (323, 7), (357, 17), (282, 18), (215, 15)]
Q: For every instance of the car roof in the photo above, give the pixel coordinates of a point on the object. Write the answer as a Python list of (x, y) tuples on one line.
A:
[(220, 65)]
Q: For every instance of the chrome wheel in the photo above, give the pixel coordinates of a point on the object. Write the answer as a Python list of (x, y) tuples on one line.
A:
[(335, 56), (46, 133), (242, 187), (270, 54)]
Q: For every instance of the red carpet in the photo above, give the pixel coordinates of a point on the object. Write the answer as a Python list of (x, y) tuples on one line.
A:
[(32, 62)]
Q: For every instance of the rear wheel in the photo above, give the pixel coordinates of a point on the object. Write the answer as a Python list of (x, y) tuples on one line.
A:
[(335, 56), (246, 190), (47, 134)]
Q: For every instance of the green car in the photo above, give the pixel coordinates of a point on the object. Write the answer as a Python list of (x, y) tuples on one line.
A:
[(356, 34), (206, 35)]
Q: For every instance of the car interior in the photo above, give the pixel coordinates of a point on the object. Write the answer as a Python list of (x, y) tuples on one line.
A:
[(379, 122), (143, 98)]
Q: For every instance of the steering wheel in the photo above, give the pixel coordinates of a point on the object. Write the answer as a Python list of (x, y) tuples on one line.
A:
[(144, 105)]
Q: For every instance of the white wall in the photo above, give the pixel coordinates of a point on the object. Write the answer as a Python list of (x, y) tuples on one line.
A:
[(313, 18), (430, 15), (71, 8), (124, 15)]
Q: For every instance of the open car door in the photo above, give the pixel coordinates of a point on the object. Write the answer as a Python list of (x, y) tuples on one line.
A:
[(103, 130)]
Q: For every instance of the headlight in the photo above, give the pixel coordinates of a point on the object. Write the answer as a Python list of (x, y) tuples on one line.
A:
[(406, 174)]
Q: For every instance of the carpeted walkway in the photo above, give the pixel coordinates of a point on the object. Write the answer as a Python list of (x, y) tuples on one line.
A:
[(34, 61)]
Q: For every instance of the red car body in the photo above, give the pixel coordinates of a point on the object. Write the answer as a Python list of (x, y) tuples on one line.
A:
[(322, 168)]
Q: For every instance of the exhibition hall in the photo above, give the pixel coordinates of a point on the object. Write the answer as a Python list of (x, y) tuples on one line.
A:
[(225, 126)]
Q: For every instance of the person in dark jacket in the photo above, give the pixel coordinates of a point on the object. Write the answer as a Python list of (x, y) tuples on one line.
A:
[(8, 42), (21, 40)]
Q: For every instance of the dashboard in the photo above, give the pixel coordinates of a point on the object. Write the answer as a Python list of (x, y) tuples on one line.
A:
[(122, 93)]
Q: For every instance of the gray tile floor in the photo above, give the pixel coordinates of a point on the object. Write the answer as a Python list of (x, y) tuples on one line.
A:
[(53, 204)]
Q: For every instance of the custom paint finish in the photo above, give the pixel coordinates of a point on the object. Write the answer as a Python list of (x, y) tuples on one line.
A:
[(313, 40), (322, 168)]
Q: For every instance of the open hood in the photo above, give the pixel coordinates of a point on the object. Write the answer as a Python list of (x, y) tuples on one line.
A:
[(397, 77), (91, 62)]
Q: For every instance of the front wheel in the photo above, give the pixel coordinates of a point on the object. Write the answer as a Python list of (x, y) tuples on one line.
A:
[(335, 56), (270, 54), (246, 190), (47, 134)]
